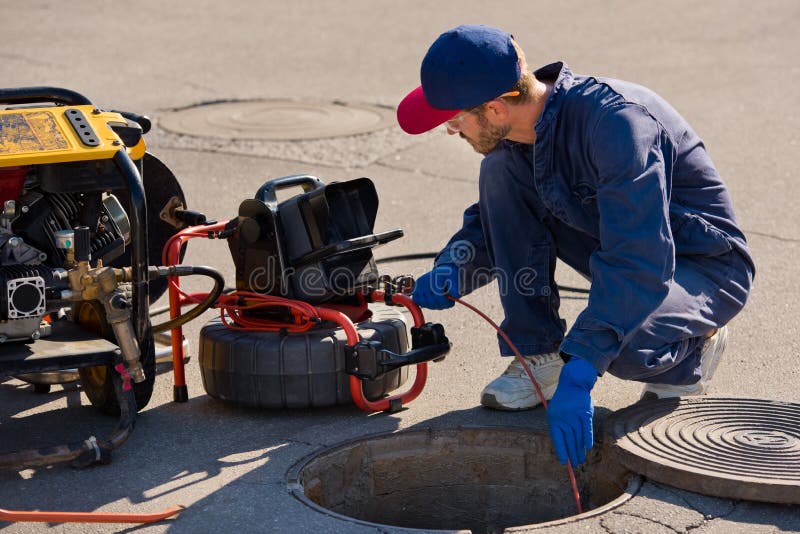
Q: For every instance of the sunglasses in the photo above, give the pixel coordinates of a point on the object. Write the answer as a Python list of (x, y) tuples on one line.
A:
[(456, 123)]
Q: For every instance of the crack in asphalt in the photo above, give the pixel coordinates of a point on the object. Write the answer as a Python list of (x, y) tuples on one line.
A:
[(20, 57), (424, 173), (348, 152), (238, 482), (772, 236), (186, 83), (706, 520), (301, 442), (237, 154), (679, 495), (651, 520)]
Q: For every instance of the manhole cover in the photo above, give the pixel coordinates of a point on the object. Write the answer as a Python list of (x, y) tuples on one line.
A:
[(726, 447), (277, 120), (479, 479)]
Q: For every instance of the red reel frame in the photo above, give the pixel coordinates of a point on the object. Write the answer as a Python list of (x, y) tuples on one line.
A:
[(394, 402), (171, 256)]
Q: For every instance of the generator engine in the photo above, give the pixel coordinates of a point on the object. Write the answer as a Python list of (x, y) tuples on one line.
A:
[(37, 243)]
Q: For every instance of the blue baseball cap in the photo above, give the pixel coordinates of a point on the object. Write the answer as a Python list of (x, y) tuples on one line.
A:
[(464, 68)]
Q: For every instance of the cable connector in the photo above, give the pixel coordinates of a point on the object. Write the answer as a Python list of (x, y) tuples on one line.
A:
[(172, 270), (402, 284), (230, 229), (189, 217)]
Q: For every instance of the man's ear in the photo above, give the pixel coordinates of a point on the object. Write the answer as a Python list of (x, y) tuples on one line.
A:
[(497, 109)]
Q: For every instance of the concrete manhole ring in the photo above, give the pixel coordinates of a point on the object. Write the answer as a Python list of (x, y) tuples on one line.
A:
[(734, 448), (483, 479), (276, 120)]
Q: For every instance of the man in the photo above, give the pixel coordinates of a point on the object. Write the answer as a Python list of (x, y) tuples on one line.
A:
[(607, 176)]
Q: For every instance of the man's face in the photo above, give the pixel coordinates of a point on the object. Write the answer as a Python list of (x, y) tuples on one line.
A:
[(475, 128)]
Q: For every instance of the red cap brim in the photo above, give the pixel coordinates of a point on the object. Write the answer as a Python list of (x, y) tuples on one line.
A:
[(416, 116)]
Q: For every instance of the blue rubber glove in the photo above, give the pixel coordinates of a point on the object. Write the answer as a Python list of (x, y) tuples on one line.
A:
[(431, 287), (570, 412)]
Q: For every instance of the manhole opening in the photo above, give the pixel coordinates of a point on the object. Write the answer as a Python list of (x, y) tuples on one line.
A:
[(478, 479)]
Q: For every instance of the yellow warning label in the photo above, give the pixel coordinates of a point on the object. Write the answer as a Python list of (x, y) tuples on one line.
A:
[(24, 133)]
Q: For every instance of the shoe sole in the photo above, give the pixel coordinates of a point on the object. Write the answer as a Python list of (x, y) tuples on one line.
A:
[(490, 401)]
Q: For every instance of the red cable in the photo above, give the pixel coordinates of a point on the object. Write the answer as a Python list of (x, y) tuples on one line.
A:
[(521, 360), (87, 517), (231, 304), (305, 316)]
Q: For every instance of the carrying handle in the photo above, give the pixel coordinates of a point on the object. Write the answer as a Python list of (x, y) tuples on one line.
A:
[(30, 95), (268, 192), (142, 120), (59, 95), (347, 246)]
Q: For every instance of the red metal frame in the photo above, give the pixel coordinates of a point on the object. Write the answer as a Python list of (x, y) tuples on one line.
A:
[(171, 256), (356, 385)]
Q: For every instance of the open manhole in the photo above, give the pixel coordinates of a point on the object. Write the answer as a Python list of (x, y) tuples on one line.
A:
[(277, 120), (728, 447), (478, 479)]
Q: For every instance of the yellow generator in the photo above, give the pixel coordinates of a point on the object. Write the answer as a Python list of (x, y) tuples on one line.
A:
[(77, 232)]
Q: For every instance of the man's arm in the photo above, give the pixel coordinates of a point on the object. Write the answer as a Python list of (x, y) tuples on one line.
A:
[(467, 250), (634, 264)]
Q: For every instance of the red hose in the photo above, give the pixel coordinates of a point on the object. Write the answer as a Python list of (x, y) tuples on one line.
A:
[(87, 517), (573, 482)]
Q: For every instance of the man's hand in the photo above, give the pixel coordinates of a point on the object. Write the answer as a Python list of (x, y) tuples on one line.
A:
[(570, 412), (430, 288)]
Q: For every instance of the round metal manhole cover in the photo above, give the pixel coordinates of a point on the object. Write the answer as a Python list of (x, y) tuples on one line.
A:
[(725, 447), (479, 479), (277, 120)]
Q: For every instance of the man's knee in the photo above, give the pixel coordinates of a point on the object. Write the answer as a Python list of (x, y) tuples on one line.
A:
[(672, 363)]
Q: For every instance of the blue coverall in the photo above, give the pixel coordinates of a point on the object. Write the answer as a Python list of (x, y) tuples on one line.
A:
[(619, 187)]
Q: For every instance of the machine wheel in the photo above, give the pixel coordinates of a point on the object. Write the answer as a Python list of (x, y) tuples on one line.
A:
[(270, 370), (96, 381)]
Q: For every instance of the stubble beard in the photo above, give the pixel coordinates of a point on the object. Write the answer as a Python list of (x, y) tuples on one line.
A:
[(488, 137)]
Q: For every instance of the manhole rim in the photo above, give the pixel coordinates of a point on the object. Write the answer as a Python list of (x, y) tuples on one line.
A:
[(295, 488), (386, 113)]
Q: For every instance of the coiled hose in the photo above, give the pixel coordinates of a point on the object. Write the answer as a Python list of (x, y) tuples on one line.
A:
[(203, 305)]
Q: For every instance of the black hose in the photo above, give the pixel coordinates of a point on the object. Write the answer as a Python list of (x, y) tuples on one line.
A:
[(572, 289), (408, 257), (139, 251), (430, 255), (161, 310), (205, 304), (83, 453)]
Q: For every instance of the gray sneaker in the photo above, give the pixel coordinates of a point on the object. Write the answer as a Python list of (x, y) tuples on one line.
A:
[(513, 389), (710, 354)]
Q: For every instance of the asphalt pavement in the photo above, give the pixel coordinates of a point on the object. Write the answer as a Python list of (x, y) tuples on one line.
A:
[(730, 67)]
